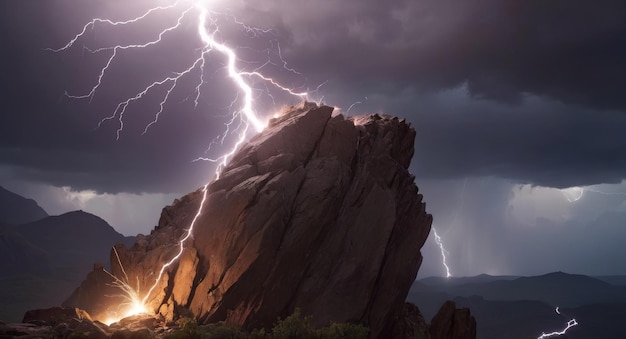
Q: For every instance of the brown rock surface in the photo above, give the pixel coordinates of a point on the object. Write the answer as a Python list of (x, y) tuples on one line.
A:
[(317, 212), (410, 324), (453, 323), (59, 322)]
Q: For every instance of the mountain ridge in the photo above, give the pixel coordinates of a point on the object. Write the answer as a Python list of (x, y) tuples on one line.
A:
[(17, 209)]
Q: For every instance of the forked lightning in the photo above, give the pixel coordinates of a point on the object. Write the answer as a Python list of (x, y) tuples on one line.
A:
[(200, 13)]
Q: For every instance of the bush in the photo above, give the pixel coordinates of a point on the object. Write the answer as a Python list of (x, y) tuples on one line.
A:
[(297, 327), (294, 327), (344, 331), (226, 331), (189, 329)]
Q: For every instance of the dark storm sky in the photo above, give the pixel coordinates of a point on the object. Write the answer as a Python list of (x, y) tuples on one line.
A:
[(511, 100)]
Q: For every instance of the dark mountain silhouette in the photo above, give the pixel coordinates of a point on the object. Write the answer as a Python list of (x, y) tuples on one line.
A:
[(524, 307), (19, 256), (558, 288), (566, 290), (16, 209), (42, 261), (74, 240), (482, 278), (617, 280)]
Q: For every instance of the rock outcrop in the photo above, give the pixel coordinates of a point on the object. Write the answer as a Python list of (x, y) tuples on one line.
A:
[(453, 323), (410, 324), (58, 322), (317, 212)]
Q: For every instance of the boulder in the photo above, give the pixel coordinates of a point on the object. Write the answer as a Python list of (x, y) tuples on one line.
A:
[(410, 323), (317, 212), (453, 323)]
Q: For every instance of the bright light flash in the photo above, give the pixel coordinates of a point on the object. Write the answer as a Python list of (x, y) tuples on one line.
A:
[(443, 252), (573, 194), (570, 324), (207, 30)]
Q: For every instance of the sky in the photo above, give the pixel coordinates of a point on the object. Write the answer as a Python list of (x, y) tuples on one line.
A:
[(518, 107)]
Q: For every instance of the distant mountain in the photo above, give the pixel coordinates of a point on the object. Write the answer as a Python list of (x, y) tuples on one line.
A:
[(567, 290), (19, 256), (617, 280), (524, 307), (512, 319), (15, 209), (74, 241), (455, 281), (44, 260)]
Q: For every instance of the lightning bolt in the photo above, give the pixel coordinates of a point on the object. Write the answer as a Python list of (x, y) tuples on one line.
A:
[(443, 252), (246, 116), (570, 324)]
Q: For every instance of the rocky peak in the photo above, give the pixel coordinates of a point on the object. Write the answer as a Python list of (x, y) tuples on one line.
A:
[(317, 212)]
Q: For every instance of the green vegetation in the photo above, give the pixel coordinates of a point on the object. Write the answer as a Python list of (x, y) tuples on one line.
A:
[(294, 326)]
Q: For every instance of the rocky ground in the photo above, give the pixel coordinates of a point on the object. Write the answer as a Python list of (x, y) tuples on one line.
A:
[(60, 322)]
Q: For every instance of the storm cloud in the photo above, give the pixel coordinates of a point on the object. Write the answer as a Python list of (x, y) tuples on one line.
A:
[(526, 90), (511, 101)]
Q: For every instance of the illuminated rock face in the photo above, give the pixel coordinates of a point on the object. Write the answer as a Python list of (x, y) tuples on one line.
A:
[(317, 212)]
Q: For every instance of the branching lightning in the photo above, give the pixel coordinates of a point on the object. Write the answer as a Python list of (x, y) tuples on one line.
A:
[(443, 252), (570, 324), (207, 30)]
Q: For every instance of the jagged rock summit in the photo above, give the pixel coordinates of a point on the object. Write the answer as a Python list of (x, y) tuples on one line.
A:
[(318, 211)]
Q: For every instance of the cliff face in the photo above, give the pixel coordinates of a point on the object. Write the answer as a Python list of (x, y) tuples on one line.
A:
[(317, 212)]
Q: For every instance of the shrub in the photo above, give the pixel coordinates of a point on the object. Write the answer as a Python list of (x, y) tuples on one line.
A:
[(344, 331), (189, 329), (226, 331), (294, 327)]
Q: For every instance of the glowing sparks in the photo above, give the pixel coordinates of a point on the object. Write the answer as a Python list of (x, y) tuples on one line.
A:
[(181, 246), (443, 252), (207, 30), (570, 324)]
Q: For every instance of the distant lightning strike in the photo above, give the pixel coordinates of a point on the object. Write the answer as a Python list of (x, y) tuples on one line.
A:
[(207, 28), (443, 252), (439, 241), (570, 324)]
